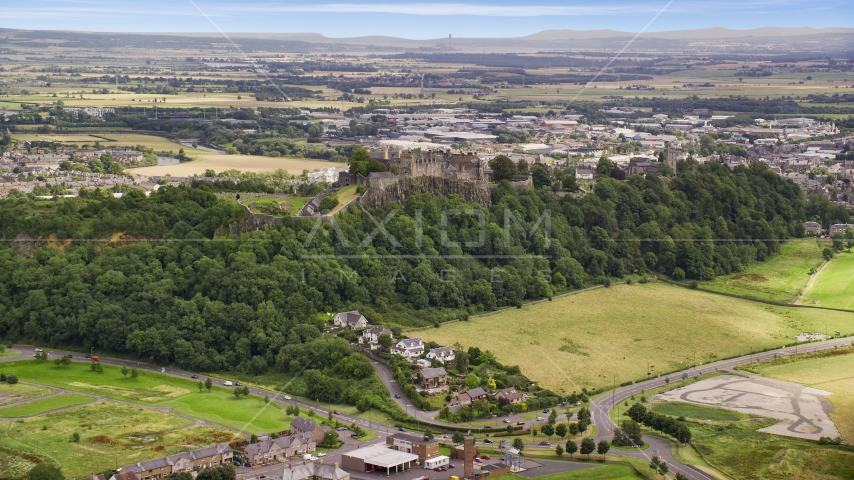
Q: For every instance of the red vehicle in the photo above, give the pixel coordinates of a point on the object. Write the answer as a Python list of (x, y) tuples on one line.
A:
[(336, 412), (485, 457), (477, 460), (95, 358), (520, 423)]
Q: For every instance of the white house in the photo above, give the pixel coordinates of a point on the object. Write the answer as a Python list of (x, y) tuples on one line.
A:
[(408, 347), (350, 320), (442, 354), (371, 336)]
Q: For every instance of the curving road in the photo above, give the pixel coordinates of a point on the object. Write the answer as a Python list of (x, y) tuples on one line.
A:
[(599, 409)]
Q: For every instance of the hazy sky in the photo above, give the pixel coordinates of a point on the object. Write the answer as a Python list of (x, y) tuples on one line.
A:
[(419, 20)]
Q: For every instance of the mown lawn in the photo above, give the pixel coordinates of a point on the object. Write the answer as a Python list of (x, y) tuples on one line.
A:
[(582, 340), (834, 285), (219, 405), (598, 472), (8, 352), (697, 412), (780, 279), (110, 433), (45, 405)]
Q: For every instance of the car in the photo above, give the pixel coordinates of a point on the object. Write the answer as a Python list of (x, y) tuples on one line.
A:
[(485, 457), (236, 384), (477, 460), (438, 469), (444, 468), (263, 476), (541, 419), (546, 410), (488, 441), (401, 429), (396, 395), (321, 454), (287, 397), (336, 412), (520, 423), (342, 429), (88, 356), (39, 349), (194, 376), (544, 444), (70, 356), (450, 465), (506, 420)]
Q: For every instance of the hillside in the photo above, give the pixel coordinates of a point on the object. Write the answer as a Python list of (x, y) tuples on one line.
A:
[(595, 338)]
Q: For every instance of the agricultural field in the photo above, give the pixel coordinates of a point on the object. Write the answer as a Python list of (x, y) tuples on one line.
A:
[(20, 392), (833, 286), (832, 372), (109, 433), (45, 405), (218, 406), (780, 279), (663, 326), (202, 159)]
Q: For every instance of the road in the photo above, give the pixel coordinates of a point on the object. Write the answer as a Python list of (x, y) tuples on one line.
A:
[(599, 409)]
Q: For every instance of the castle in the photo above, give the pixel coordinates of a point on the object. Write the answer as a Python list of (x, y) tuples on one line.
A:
[(464, 167)]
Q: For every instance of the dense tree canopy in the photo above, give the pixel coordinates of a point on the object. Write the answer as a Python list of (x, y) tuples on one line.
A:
[(257, 301)]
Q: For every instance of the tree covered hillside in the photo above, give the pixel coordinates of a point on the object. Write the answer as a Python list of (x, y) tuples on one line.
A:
[(258, 301)]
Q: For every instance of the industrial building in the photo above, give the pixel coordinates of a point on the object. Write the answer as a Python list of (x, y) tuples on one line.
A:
[(379, 457)]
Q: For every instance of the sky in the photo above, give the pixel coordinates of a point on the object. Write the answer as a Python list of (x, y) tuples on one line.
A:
[(419, 19)]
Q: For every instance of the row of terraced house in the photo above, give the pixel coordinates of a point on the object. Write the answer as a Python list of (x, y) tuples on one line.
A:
[(180, 462)]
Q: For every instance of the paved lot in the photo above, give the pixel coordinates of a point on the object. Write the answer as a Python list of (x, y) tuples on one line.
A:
[(802, 410)]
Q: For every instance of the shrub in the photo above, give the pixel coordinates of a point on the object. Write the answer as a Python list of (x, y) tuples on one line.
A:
[(75, 437), (678, 274), (11, 379)]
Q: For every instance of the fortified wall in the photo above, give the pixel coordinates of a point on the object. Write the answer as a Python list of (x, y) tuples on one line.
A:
[(437, 173)]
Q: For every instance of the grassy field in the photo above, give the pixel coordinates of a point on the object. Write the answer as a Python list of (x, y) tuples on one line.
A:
[(218, 406), (740, 451), (780, 279), (45, 405), (697, 412), (602, 472), (344, 196), (20, 392), (202, 160), (832, 372), (664, 326), (110, 433), (9, 353), (834, 285)]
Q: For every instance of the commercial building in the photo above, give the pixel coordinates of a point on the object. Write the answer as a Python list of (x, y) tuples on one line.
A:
[(378, 457), (424, 447)]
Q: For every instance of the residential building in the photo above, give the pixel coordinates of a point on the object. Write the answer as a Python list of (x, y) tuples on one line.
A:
[(839, 228), (408, 347), (583, 174), (812, 228), (508, 395), (476, 394), (433, 378), (412, 443), (314, 471), (352, 320), (301, 425), (279, 449), (371, 336), (442, 354), (181, 462)]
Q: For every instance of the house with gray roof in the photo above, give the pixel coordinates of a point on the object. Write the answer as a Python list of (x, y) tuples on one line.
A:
[(279, 449), (352, 320)]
